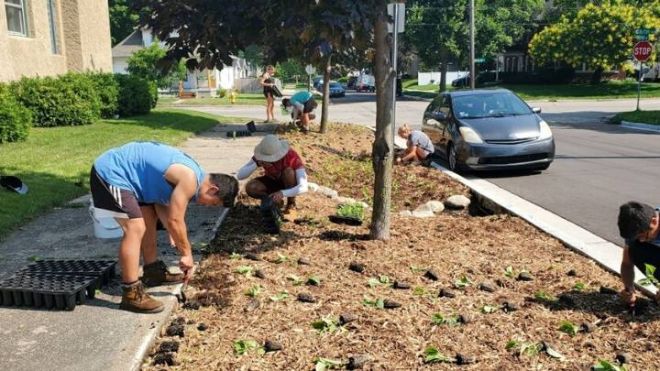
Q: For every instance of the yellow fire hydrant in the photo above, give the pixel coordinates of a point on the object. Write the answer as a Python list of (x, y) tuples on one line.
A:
[(232, 97)]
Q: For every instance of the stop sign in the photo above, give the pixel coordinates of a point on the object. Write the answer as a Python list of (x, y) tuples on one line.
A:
[(642, 51)]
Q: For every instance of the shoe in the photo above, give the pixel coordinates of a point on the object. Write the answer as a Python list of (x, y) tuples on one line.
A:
[(135, 299), (156, 274), (290, 214)]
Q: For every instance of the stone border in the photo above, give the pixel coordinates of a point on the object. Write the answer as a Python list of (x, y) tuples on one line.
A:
[(640, 126)]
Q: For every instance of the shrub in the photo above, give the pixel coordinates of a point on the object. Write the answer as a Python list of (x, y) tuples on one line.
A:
[(221, 92), (135, 95), (67, 100), (15, 120), (153, 91), (107, 89)]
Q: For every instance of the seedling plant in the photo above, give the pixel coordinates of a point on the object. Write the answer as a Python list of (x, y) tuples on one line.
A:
[(569, 327), (242, 347), (649, 278), (439, 319), (432, 355), (353, 211)]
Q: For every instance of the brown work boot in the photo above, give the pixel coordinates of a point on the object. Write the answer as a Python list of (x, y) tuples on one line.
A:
[(290, 214), (135, 299), (156, 274)]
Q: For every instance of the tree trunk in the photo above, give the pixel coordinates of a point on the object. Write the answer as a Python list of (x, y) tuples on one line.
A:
[(383, 147), (443, 76), (597, 75), (326, 95)]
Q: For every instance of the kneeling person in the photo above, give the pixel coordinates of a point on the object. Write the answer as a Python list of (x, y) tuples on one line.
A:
[(639, 225), (139, 183), (303, 104), (284, 176), (419, 146)]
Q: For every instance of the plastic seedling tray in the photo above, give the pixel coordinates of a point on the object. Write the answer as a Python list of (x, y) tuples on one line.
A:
[(103, 269), (48, 291), (238, 133), (345, 220)]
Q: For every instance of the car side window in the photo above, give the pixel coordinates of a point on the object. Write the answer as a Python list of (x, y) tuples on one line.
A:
[(433, 106), (444, 105)]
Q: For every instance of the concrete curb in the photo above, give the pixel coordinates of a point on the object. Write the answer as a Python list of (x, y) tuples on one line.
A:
[(605, 253), (149, 339), (640, 126)]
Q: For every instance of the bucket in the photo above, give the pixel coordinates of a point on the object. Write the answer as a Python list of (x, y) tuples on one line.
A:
[(106, 228)]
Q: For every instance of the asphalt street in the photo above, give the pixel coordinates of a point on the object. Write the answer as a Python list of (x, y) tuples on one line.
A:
[(598, 166)]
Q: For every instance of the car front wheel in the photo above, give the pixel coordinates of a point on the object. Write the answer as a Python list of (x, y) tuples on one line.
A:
[(451, 157)]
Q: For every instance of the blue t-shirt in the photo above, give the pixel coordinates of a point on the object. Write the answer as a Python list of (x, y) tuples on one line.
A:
[(300, 97), (140, 168)]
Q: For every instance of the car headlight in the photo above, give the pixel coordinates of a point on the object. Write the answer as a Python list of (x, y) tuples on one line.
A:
[(469, 135), (546, 133)]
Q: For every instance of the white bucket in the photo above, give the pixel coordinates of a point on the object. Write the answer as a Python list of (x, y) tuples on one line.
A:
[(106, 228)]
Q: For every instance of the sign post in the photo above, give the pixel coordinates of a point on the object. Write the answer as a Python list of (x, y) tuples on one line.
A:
[(310, 71), (398, 13), (642, 52)]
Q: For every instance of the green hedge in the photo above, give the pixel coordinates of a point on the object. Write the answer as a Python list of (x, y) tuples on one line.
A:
[(107, 87), (15, 120), (136, 95)]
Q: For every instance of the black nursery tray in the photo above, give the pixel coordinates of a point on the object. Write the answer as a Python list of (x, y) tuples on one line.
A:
[(239, 133), (104, 269), (41, 290), (345, 220)]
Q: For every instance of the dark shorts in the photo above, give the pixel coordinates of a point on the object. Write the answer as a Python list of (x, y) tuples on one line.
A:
[(268, 92), (110, 201), (310, 105), (272, 185)]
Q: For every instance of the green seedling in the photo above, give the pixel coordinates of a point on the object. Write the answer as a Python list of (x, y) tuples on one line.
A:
[(34, 258), (462, 282), (314, 281), (416, 269), (374, 303), (419, 291), (650, 276), (603, 365), (509, 272), (245, 270), (254, 291), (326, 324), (295, 279), (353, 210), (579, 286), (283, 295), (544, 297), (381, 280), (439, 319), (281, 259), (569, 328), (243, 346), (488, 309), (432, 355), (523, 347), (235, 256), (511, 344), (322, 364)]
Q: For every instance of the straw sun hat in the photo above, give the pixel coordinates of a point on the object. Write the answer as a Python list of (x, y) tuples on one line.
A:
[(271, 149)]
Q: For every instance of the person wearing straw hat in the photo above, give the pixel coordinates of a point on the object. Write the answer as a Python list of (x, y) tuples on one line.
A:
[(138, 183), (284, 176)]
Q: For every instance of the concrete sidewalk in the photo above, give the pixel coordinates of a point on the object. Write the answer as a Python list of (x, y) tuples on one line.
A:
[(97, 335)]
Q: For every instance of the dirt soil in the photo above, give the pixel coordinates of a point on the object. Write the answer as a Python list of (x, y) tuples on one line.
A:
[(242, 300)]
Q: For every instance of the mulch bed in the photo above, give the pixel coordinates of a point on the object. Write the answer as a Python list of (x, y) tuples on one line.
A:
[(345, 313)]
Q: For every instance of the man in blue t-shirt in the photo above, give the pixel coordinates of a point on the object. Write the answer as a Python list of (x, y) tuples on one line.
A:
[(139, 183), (639, 225), (302, 104)]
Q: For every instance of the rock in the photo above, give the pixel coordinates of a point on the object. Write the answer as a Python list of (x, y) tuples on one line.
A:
[(607, 291), (164, 359), (202, 326), (170, 346), (571, 273), (175, 330), (328, 192), (259, 274), (406, 213), (436, 206), (623, 358), (358, 361), (587, 327), (432, 275), (272, 346), (485, 286), (423, 211), (252, 256), (306, 298), (313, 187), (457, 202), (401, 285), (462, 359), (252, 305), (356, 267), (390, 304), (464, 318), (345, 318), (446, 293), (304, 261), (524, 276), (509, 307)]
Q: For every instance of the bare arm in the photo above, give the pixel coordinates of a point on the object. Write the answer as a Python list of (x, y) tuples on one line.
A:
[(411, 154), (185, 187), (262, 80), (627, 271)]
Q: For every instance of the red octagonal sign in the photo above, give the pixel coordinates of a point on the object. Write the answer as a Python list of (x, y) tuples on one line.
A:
[(642, 51)]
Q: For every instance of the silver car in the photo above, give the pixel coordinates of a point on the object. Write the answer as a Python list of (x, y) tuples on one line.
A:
[(488, 130)]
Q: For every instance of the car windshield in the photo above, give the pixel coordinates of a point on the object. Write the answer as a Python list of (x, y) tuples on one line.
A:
[(335, 85), (495, 104)]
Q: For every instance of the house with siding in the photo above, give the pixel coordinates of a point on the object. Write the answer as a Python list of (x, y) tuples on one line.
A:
[(52, 37)]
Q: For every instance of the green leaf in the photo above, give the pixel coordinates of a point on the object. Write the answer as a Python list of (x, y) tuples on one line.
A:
[(295, 279), (374, 303), (353, 210), (419, 291), (530, 349), (281, 258), (34, 258), (462, 282), (579, 286), (254, 291), (544, 296), (323, 364), (439, 319), (487, 309), (283, 295), (245, 270), (373, 282), (508, 272), (432, 355), (243, 346), (326, 324), (384, 280), (235, 256), (511, 344), (416, 269), (569, 328), (603, 365), (650, 276)]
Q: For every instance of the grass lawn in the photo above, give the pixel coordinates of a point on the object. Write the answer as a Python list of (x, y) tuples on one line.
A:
[(243, 98), (55, 162), (607, 90), (642, 117)]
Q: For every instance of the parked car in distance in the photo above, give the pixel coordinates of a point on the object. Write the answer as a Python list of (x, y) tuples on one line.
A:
[(336, 90), (488, 129), (365, 83)]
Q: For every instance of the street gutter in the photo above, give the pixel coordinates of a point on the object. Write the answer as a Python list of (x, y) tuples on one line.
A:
[(640, 126)]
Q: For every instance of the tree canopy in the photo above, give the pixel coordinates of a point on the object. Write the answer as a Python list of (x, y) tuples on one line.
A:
[(123, 19), (146, 63)]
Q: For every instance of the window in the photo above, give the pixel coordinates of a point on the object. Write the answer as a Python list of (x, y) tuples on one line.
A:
[(52, 21), (16, 21)]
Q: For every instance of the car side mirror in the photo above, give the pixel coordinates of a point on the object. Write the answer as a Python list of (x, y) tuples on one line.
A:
[(439, 115), (536, 109)]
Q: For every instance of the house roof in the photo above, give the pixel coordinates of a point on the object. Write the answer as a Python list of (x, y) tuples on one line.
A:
[(131, 44)]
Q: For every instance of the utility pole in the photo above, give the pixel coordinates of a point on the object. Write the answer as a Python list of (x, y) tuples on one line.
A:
[(473, 76)]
